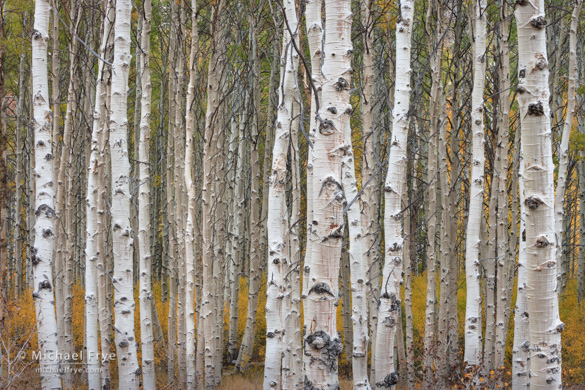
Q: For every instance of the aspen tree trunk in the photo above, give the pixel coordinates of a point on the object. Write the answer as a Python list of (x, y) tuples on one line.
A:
[(359, 268), (190, 259), (92, 250), (247, 346), (564, 147), (129, 372), (20, 122), (504, 261), (277, 224), (315, 38), (345, 295), (370, 193), (432, 183), (42, 252), (545, 326), (144, 248), (104, 284), (237, 241), (473, 343), (209, 201), (292, 364), (521, 346), (394, 193), (322, 345)]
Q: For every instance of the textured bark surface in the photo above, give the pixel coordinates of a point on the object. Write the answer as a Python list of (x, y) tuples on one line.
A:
[(44, 239), (545, 326), (322, 344), (123, 279), (473, 340)]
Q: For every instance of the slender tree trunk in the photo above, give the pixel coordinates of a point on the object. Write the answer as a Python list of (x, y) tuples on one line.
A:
[(277, 209), (144, 248), (563, 156), (394, 193), (247, 346), (541, 282), (473, 342), (92, 250), (4, 286), (42, 252), (521, 346), (128, 369)]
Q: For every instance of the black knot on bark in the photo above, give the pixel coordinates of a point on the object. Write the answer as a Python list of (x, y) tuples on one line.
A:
[(522, 73), (542, 242), (532, 202), (341, 84), (536, 109), (326, 127), (47, 233), (49, 212), (321, 288), (270, 335), (45, 284), (389, 381), (123, 344), (539, 22), (560, 327), (521, 89), (332, 110)]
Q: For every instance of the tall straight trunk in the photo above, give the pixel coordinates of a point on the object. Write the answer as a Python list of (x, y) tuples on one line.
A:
[(42, 252), (210, 147), (314, 25), (292, 362), (521, 345), (370, 198), (473, 343), (191, 378), (564, 147), (20, 164), (63, 208), (322, 344), (277, 223), (504, 261), (144, 248), (545, 326), (104, 283), (237, 235), (247, 345), (128, 369), (394, 194), (92, 250)]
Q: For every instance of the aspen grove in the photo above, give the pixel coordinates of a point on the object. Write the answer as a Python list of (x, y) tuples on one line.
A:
[(292, 194)]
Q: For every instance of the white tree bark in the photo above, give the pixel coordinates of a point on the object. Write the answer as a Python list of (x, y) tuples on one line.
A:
[(277, 210), (545, 326), (129, 372), (473, 344), (42, 252), (191, 210), (322, 344), (144, 247), (521, 345), (93, 228), (564, 147), (394, 191)]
